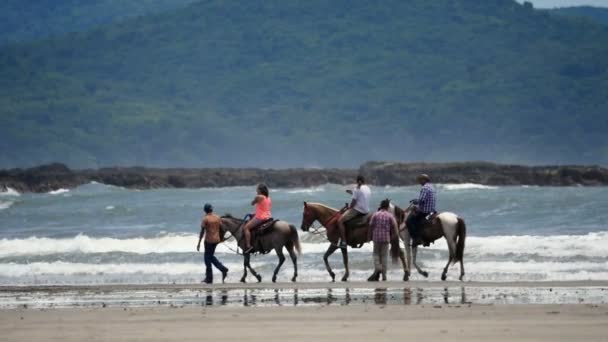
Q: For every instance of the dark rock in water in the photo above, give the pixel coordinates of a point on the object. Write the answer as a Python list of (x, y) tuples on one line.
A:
[(50, 177), (384, 173)]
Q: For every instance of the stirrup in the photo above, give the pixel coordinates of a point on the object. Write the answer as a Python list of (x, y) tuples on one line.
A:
[(248, 250)]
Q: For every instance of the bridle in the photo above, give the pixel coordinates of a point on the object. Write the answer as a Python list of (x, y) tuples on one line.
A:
[(317, 230)]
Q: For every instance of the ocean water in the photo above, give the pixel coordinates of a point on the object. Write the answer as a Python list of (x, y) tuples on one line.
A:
[(100, 234)]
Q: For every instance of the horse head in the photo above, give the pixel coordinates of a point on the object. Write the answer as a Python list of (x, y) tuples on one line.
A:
[(308, 217), (231, 223)]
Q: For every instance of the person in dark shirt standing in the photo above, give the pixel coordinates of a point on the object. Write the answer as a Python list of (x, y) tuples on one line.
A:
[(210, 228)]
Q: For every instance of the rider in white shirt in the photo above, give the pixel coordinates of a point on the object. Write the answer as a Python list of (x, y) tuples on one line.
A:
[(359, 205)]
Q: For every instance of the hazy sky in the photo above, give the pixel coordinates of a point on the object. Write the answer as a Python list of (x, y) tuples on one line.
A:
[(566, 3)]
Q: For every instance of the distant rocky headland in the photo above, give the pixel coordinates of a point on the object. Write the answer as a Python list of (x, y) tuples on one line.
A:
[(55, 176)]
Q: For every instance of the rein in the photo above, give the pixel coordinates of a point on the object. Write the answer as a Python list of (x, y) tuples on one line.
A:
[(236, 251)]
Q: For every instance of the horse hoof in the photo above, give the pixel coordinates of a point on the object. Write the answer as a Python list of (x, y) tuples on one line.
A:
[(293, 280), (243, 280), (345, 278), (443, 277), (259, 277), (460, 278), (425, 274), (274, 279), (406, 277)]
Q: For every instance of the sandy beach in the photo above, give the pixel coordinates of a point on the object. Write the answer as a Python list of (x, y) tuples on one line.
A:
[(359, 311), (319, 323)]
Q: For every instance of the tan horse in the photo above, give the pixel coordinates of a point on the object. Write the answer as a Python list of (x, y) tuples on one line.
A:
[(446, 224), (355, 236)]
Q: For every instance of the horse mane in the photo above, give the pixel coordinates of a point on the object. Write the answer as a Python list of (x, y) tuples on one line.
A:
[(321, 205), (230, 217)]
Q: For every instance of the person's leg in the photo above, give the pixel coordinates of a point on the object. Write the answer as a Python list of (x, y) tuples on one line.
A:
[(383, 258), (411, 225), (214, 260), (208, 270), (247, 232), (348, 215), (377, 267), (377, 260), (249, 226)]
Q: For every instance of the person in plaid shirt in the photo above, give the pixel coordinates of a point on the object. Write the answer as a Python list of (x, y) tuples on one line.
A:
[(425, 204), (381, 224)]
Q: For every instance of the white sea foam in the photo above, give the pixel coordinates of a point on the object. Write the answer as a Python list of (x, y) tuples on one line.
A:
[(307, 190), (10, 192), (6, 205), (466, 186), (59, 191), (110, 207), (560, 246), (478, 271)]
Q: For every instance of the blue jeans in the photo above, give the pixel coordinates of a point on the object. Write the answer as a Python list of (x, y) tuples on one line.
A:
[(210, 259)]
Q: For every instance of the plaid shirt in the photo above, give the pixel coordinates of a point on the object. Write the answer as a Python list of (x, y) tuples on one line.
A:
[(381, 224), (426, 201)]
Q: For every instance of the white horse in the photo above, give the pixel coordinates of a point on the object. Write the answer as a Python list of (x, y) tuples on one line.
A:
[(446, 224)]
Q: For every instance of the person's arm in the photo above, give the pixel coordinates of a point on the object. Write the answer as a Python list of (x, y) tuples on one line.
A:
[(200, 236), (257, 199), (353, 201)]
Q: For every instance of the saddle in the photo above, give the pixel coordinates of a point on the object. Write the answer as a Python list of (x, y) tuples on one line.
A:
[(260, 230), (358, 221), (429, 230)]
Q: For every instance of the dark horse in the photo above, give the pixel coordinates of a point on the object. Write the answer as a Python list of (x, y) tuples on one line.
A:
[(355, 237), (281, 234)]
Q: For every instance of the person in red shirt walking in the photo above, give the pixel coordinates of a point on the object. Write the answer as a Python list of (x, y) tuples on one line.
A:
[(381, 224)]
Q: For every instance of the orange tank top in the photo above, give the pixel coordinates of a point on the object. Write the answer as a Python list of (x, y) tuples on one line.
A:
[(262, 209)]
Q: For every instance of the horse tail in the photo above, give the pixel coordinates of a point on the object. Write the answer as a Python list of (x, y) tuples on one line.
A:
[(295, 239), (395, 249), (461, 233)]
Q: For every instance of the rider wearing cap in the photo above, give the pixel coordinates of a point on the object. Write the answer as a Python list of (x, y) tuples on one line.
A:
[(425, 205), (210, 228)]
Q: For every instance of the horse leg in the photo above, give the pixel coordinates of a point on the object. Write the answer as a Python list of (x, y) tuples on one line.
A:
[(245, 262), (461, 270), (405, 236), (294, 259), (281, 261), (329, 252), (345, 260), (445, 269), (255, 274), (414, 254), (406, 270)]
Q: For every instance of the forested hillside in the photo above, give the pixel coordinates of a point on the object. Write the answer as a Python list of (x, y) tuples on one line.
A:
[(311, 83), (23, 20), (595, 14)]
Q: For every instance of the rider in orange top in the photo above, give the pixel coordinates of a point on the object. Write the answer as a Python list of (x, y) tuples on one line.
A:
[(263, 205)]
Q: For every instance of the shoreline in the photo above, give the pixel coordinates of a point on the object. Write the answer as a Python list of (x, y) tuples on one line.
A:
[(51, 177), (305, 294), (305, 286)]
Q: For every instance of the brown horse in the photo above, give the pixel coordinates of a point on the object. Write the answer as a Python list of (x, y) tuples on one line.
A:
[(445, 224), (281, 234), (355, 236)]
